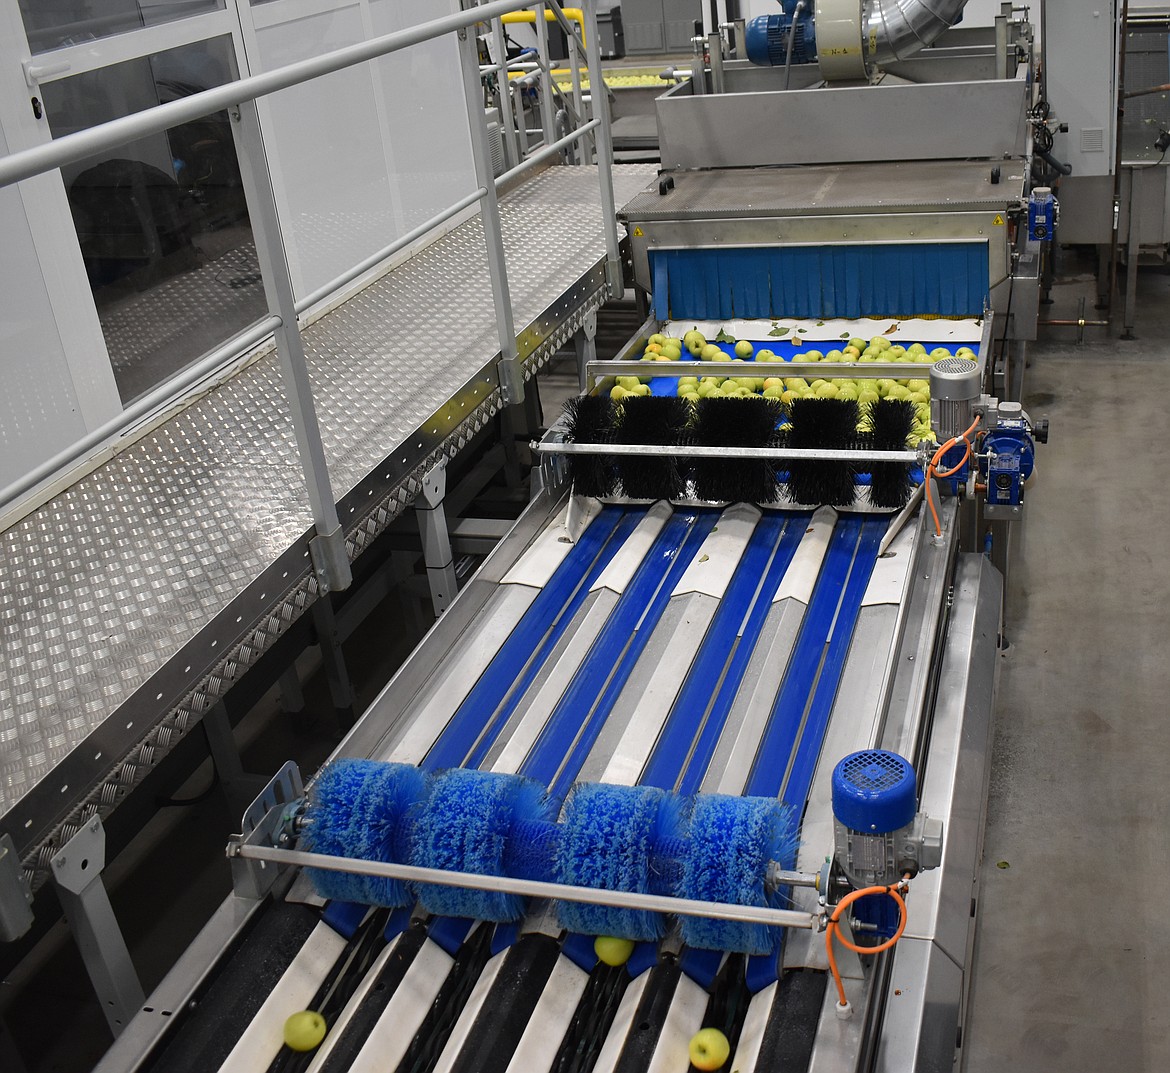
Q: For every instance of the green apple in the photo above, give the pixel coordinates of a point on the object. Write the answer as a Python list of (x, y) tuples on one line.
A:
[(611, 950), (857, 344), (940, 352), (766, 355), (641, 389), (847, 391), (695, 346), (670, 352), (618, 393), (305, 1030), (919, 397), (773, 392), (709, 1049), (657, 338), (851, 353), (628, 382), (795, 383), (834, 355), (868, 397), (811, 355), (827, 390), (965, 352), (744, 349), (711, 352), (773, 381), (916, 348)]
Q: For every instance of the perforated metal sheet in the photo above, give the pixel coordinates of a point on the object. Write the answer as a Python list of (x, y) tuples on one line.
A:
[(150, 570)]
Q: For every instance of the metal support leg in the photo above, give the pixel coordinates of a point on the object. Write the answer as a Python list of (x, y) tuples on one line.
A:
[(333, 659), (585, 343), (238, 786), (1132, 253), (328, 546), (511, 375), (292, 696), (436, 542), (77, 869), (1103, 257), (600, 99)]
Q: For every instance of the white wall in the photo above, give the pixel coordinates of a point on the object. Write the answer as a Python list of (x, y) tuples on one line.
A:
[(364, 155)]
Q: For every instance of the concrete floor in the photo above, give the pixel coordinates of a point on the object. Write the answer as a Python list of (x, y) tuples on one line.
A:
[(1072, 947)]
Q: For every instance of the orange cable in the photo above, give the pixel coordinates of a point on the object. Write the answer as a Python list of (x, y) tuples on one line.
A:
[(894, 891), (931, 472)]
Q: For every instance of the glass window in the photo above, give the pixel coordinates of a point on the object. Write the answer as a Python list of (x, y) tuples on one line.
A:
[(53, 24), (162, 222)]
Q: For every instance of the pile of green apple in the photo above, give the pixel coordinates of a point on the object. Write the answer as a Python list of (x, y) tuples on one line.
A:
[(625, 386)]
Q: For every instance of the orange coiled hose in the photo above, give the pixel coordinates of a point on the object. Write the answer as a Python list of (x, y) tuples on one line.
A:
[(894, 890), (932, 471)]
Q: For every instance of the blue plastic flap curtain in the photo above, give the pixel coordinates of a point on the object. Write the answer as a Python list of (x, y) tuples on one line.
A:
[(894, 280)]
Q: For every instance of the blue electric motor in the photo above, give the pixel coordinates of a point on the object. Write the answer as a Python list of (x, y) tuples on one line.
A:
[(1011, 457), (879, 835), (767, 36)]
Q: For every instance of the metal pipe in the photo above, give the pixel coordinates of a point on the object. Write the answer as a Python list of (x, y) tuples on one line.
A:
[(791, 41), (811, 454), (529, 888), (901, 28), (85, 143), (899, 522), (208, 365), (388, 251), (512, 153), (547, 88), (1074, 323), (548, 151)]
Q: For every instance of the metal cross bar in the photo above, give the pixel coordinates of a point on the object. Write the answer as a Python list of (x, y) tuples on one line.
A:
[(811, 454), (746, 914)]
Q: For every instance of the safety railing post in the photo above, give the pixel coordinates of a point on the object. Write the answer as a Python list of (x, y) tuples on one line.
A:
[(511, 375), (330, 561), (600, 100), (584, 150), (512, 152), (546, 79)]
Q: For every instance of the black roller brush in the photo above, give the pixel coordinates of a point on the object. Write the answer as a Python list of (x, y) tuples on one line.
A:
[(888, 424), (732, 422), (651, 421), (590, 419), (827, 425)]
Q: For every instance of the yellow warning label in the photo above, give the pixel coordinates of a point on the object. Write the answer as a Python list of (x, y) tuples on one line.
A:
[(638, 232), (998, 221)]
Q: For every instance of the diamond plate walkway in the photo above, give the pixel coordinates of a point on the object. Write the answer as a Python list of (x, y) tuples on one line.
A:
[(131, 601)]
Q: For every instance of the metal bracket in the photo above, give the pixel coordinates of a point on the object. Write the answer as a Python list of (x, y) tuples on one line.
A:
[(511, 376), (266, 822), (330, 561), (16, 915), (436, 539), (77, 869), (615, 279)]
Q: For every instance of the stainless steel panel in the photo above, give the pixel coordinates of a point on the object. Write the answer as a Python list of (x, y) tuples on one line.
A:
[(956, 768), (1086, 210), (823, 189), (840, 125), (135, 598), (920, 1027)]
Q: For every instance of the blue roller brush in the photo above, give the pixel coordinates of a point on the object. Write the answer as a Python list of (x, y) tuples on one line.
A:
[(467, 825), (358, 808), (611, 837), (732, 841)]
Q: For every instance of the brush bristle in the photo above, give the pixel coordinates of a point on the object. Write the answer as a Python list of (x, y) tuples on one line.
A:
[(826, 424), (607, 839), (465, 827), (735, 422), (732, 841), (889, 423), (356, 808), (590, 419), (655, 421)]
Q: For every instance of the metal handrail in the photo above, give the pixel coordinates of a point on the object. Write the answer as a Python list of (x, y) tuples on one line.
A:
[(241, 96), (85, 143)]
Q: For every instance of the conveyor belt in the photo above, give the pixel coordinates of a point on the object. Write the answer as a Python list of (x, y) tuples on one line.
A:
[(135, 598), (581, 630)]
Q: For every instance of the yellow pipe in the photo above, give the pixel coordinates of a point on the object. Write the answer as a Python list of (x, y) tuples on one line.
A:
[(573, 13)]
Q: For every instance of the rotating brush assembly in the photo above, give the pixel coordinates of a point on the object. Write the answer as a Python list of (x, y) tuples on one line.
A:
[(715, 849)]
